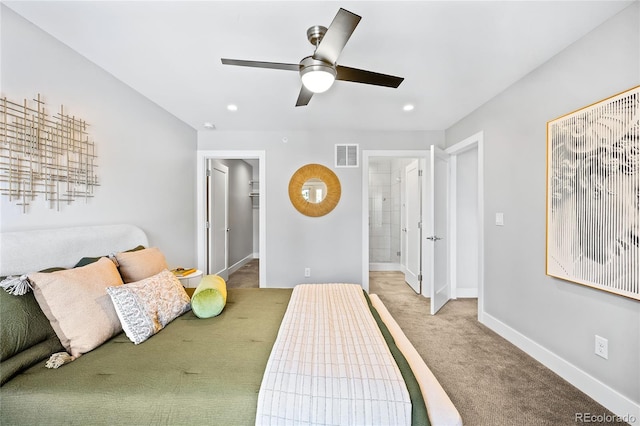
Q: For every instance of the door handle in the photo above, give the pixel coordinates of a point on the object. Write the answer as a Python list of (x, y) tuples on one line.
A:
[(433, 238)]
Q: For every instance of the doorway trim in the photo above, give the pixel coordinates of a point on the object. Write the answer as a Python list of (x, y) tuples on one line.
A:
[(422, 155), (201, 159), (475, 141)]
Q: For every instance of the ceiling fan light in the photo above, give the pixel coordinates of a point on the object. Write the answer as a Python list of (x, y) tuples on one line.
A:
[(318, 78)]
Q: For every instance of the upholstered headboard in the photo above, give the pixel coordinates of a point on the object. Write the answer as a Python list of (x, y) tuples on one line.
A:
[(29, 251)]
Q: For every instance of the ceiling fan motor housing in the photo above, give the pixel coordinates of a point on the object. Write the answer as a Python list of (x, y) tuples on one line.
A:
[(310, 64), (315, 34)]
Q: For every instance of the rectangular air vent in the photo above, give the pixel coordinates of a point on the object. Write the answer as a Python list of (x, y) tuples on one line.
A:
[(346, 155)]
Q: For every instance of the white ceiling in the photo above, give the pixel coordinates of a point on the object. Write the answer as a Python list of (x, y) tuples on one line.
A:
[(453, 55)]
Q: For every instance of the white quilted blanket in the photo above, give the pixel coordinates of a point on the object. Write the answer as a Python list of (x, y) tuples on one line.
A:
[(330, 364)]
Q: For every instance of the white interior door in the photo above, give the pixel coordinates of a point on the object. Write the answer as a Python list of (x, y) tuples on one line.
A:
[(412, 226), (217, 219), (437, 257)]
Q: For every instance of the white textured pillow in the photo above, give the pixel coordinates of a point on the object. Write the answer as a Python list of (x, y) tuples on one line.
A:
[(147, 306), (141, 264), (76, 304)]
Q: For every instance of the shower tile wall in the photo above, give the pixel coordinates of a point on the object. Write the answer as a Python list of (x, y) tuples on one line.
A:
[(386, 186), (384, 211), (397, 189), (379, 210)]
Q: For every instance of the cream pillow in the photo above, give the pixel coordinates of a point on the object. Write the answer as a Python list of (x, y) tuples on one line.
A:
[(147, 306), (76, 303), (141, 264)]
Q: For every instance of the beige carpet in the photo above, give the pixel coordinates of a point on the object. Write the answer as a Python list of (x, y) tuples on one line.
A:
[(491, 382), (246, 277)]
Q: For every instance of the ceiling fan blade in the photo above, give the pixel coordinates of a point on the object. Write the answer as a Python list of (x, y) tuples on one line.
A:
[(304, 97), (258, 64), (367, 77), (336, 36)]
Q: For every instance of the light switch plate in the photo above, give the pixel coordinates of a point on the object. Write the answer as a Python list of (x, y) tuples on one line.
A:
[(499, 219)]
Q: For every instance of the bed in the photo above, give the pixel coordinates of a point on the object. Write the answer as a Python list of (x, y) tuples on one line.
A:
[(192, 371)]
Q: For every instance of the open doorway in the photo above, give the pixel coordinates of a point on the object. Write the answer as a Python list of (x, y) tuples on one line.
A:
[(467, 209), (462, 236), (393, 208), (226, 246), (395, 216)]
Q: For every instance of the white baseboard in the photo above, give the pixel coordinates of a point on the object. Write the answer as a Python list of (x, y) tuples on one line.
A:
[(239, 264), (466, 293), (385, 266), (619, 404)]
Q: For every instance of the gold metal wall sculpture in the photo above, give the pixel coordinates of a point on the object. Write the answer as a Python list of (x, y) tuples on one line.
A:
[(44, 155)]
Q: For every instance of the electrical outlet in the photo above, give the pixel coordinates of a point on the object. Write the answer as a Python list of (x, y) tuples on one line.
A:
[(307, 272), (602, 347)]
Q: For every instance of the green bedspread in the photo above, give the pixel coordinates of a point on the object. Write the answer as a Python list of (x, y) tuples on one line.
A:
[(195, 371)]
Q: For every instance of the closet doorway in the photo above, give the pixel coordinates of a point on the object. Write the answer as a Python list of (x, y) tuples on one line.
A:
[(231, 222), (467, 209)]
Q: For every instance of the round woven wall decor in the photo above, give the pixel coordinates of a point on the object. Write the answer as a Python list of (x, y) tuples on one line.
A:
[(318, 171)]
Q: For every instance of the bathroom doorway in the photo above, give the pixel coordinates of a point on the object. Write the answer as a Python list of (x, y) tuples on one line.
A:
[(394, 215)]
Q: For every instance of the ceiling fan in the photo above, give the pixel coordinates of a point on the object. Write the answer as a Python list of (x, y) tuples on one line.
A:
[(319, 70)]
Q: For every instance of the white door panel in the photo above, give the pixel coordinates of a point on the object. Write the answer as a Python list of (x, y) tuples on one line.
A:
[(440, 289), (413, 201), (218, 200)]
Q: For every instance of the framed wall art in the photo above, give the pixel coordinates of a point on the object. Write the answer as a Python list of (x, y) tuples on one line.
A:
[(593, 195)]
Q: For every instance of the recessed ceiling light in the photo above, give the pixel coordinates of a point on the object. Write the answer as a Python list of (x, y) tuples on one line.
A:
[(408, 107), (209, 126), (232, 107)]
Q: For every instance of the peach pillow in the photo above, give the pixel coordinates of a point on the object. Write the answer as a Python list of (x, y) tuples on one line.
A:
[(76, 303), (138, 265)]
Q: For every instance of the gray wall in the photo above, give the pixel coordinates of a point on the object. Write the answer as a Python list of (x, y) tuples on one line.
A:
[(560, 316), (330, 245), (146, 157)]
